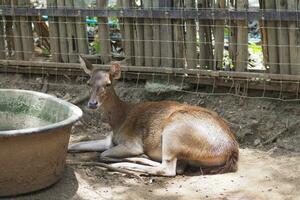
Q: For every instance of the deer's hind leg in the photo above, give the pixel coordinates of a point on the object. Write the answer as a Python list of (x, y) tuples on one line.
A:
[(123, 150), (143, 161)]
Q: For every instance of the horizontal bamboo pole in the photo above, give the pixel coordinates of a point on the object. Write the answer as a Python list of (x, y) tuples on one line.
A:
[(164, 70), (129, 75), (166, 13)]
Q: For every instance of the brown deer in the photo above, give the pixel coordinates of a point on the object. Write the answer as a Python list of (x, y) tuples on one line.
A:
[(171, 134)]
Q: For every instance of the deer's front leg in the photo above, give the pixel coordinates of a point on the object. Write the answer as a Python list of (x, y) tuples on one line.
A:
[(97, 145), (166, 168), (124, 150)]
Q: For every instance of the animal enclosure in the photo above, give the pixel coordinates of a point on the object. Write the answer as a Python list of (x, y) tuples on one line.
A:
[(236, 44), (203, 53)]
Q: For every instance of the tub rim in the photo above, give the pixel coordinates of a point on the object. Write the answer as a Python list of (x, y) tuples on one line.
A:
[(77, 114)]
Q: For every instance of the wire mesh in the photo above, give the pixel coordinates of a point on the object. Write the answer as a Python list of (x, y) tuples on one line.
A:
[(237, 43)]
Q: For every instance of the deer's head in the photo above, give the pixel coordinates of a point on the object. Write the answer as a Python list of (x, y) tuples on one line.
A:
[(100, 81)]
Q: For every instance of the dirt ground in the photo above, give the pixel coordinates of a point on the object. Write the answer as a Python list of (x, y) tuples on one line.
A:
[(266, 170)]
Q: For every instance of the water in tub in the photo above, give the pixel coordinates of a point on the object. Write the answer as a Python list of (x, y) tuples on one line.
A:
[(12, 121)]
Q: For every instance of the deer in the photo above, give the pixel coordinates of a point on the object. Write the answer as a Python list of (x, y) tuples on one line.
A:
[(172, 135)]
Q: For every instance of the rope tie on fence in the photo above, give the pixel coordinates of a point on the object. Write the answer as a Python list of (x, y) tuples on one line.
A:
[(232, 85), (264, 90), (198, 83), (137, 80), (182, 81), (281, 88), (297, 91), (153, 77), (214, 86), (168, 80), (124, 77)]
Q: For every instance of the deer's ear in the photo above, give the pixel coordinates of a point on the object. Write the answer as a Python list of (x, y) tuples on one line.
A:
[(115, 71), (86, 65)]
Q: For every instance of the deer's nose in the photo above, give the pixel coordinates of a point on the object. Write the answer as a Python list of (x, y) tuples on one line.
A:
[(93, 104)]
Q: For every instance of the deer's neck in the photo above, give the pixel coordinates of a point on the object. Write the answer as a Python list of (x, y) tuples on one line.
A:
[(114, 109)]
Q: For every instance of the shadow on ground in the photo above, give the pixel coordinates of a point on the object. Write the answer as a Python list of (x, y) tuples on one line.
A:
[(65, 189)]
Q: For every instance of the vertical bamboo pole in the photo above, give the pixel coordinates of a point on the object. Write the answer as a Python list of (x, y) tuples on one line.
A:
[(219, 37), (2, 39), (148, 35), (166, 37), (272, 58), (9, 34), (63, 34), (233, 42), (139, 51), (156, 61), (283, 40), (71, 34), (178, 30), (121, 25), (190, 39), (206, 52), (128, 34), (242, 38), (294, 40), (18, 47), (121, 22), (81, 30), (26, 32), (8, 27), (54, 33), (202, 37), (104, 37), (232, 36), (209, 45)]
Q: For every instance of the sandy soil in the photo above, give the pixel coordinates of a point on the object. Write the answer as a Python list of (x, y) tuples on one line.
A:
[(260, 176), (270, 171)]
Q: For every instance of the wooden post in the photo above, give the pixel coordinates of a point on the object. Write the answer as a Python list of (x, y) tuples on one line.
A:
[(264, 36), (63, 34), (294, 41), (122, 31), (156, 61), (18, 46), (148, 35), (271, 39), (233, 41), (139, 51), (81, 30), (206, 52), (2, 38), (104, 37), (72, 36), (283, 40), (54, 33), (26, 31), (9, 33), (190, 39), (242, 39), (178, 29), (219, 37), (127, 34), (166, 37)]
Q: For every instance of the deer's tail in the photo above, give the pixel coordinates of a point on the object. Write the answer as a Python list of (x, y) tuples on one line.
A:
[(231, 164)]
